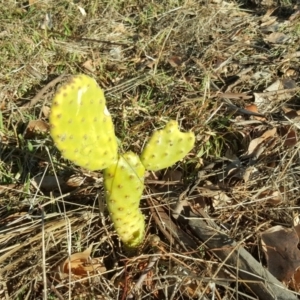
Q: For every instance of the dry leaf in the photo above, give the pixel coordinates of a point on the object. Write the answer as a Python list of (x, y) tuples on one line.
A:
[(267, 20), (150, 63), (267, 100), (295, 15), (289, 83), (233, 169), (46, 111), (295, 281), (262, 75), (291, 114), (291, 73), (221, 199), (81, 265), (268, 14), (47, 21), (297, 229), (277, 38), (275, 86), (253, 146), (262, 101), (116, 53), (31, 2), (229, 95), (172, 175), (12, 218), (198, 202), (89, 65), (120, 28), (253, 108), (249, 172), (175, 61), (273, 197), (7, 188), (35, 127), (82, 10), (289, 135), (280, 247)]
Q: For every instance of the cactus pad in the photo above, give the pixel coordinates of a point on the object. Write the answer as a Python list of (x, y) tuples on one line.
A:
[(81, 125), (124, 184), (166, 147)]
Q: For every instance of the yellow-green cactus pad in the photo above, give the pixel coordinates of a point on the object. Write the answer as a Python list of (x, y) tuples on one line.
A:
[(124, 184), (166, 147), (81, 125)]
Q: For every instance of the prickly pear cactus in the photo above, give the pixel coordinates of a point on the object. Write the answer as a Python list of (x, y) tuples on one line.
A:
[(82, 130), (81, 125), (166, 147), (124, 184)]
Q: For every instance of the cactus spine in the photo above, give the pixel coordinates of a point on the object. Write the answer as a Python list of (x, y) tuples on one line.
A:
[(82, 130)]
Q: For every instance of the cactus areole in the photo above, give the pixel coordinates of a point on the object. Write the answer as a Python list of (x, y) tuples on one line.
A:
[(82, 129)]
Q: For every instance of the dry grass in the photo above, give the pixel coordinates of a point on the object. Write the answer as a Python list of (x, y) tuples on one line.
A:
[(156, 60)]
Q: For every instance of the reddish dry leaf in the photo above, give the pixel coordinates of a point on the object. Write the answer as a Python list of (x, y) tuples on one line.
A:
[(148, 281), (289, 135), (35, 127), (199, 202), (295, 281), (81, 265), (175, 61), (280, 247), (297, 229), (273, 197), (31, 2), (3, 105), (253, 108), (291, 114)]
